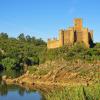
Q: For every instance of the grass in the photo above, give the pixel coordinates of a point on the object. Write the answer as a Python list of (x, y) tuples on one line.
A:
[(85, 71), (76, 93), (38, 70)]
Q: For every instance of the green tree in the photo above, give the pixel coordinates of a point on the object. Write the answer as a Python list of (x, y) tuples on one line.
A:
[(4, 35), (21, 37), (28, 38)]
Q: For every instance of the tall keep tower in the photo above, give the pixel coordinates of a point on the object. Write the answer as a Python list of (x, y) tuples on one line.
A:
[(78, 24)]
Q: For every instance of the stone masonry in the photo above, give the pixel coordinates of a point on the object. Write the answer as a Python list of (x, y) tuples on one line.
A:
[(75, 34)]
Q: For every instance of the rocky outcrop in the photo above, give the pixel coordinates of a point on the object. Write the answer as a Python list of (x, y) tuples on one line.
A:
[(4, 77), (59, 73)]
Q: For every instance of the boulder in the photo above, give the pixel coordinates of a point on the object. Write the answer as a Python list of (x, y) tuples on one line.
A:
[(33, 83), (27, 73), (4, 77)]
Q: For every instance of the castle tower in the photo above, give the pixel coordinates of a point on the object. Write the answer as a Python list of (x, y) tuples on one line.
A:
[(71, 35), (85, 36), (61, 38), (78, 24)]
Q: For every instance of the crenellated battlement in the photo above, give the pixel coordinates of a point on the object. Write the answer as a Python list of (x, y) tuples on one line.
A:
[(74, 34)]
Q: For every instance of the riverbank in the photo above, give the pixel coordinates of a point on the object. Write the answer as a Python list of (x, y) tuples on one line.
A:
[(61, 80), (59, 73)]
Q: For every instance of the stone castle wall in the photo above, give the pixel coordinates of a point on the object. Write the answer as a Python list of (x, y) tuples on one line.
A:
[(53, 43), (72, 35)]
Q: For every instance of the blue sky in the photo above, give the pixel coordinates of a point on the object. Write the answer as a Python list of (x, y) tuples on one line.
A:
[(44, 18)]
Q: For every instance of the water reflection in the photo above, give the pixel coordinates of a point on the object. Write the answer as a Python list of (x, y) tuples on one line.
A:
[(10, 92)]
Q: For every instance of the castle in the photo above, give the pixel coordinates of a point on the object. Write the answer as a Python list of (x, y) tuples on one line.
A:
[(75, 34)]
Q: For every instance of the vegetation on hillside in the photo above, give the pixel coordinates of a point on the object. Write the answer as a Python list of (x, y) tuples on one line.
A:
[(18, 53), (78, 51), (23, 51)]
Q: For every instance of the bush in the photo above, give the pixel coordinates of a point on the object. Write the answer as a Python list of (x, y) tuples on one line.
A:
[(8, 63)]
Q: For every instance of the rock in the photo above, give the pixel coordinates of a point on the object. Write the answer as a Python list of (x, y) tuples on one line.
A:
[(33, 83), (4, 77), (17, 80), (23, 83), (35, 77), (32, 75), (27, 73), (14, 81), (39, 77)]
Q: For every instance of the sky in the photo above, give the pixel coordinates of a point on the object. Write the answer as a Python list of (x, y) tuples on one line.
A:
[(44, 18)]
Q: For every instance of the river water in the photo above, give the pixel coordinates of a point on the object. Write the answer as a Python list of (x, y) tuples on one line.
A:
[(14, 92)]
